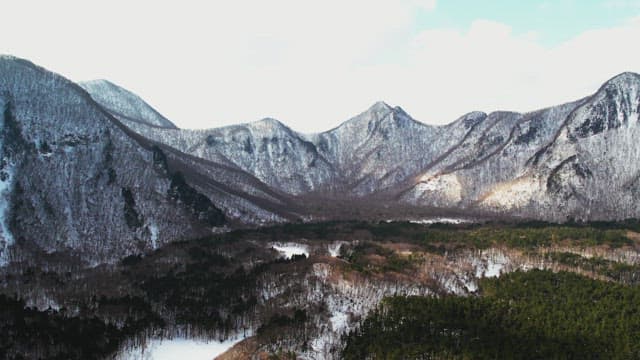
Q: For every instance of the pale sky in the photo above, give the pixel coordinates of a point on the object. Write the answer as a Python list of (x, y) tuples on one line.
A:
[(314, 64)]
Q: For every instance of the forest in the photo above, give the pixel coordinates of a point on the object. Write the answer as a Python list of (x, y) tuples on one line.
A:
[(522, 315), (53, 306)]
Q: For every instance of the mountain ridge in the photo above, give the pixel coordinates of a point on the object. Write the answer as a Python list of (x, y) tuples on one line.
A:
[(96, 169), (129, 106), (383, 150), (381, 106)]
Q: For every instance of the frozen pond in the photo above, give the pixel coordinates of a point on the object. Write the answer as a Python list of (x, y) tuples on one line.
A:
[(179, 348)]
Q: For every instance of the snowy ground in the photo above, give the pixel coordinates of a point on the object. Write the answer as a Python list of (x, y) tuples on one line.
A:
[(495, 263), (179, 348), (334, 248), (6, 238), (440, 220), (290, 249)]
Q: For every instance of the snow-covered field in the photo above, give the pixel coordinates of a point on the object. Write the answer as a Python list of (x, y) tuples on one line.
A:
[(290, 249), (441, 220), (334, 248), (180, 348), (494, 269)]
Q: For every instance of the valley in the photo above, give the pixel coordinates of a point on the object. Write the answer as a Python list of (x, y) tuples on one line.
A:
[(293, 290), (123, 236)]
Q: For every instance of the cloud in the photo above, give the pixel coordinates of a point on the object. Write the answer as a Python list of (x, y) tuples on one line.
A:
[(624, 4), (488, 67), (309, 64), (428, 5)]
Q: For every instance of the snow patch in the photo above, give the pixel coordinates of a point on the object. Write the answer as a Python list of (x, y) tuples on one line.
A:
[(514, 194), (493, 269), (334, 248), (441, 220), (493, 265), (153, 228), (448, 185), (179, 348), (6, 184), (339, 321), (290, 249), (471, 286)]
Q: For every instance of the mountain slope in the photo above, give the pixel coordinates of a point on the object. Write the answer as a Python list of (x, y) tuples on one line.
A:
[(591, 170), (105, 174), (384, 146), (267, 149), (346, 160), (493, 155), (124, 105), (74, 177), (499, 164), (573, 161)]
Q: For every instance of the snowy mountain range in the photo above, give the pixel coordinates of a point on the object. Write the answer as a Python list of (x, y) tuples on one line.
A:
[(94, 168)]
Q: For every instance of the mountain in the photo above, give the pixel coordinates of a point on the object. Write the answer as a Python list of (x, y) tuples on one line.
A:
[(94, 168), (267, 149), (504, 164), (384, 146), (485, 171), (72, 176), (573, 161), (591, 169), (372, 151)]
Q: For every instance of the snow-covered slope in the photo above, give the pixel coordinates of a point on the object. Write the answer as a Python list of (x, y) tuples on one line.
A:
[(384, 146), (123, 104), (591, 170), (487, 163), (74, 177), (104, 173), (501, 163), (267, 149), (371, 152), (574, 161)]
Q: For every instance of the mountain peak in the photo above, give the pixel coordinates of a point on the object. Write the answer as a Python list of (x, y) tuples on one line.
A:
[(269, 121), (470, 119), (624, 79), (5, 57), (98, 82), (14, 59), (379, 106), (269, 124), (12, 63)]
